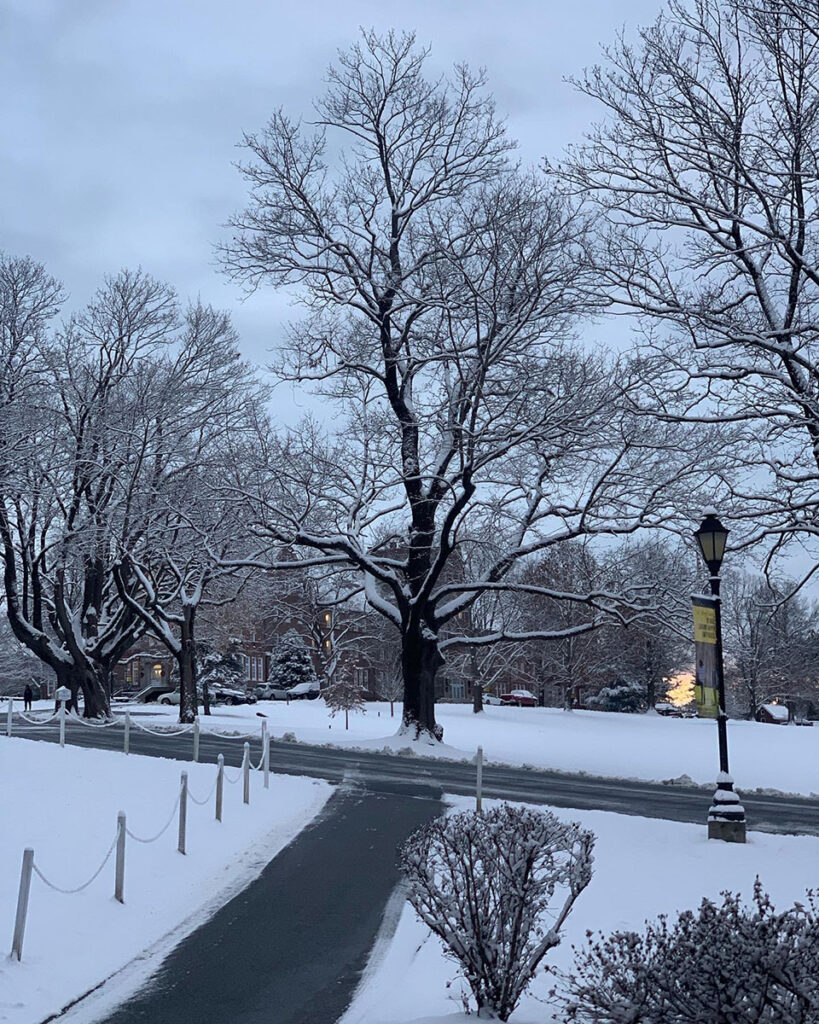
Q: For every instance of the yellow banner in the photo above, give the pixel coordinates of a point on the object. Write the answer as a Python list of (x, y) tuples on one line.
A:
[(705, 624)]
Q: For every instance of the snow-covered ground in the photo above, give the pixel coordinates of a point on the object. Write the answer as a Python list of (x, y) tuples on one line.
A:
[(642, 867), (631, 746), (64, 804)]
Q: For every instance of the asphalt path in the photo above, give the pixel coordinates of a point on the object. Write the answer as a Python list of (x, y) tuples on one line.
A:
[(379, 772), (290, 948)]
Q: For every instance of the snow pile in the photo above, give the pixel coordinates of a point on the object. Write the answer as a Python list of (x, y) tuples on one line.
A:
[(642, 867), (64, 804)]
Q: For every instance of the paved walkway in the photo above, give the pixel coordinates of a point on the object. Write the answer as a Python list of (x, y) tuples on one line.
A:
[(290, 948)]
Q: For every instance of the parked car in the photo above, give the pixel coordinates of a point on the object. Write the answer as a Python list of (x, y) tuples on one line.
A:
[(229, 695), (269, 692), (218, 695), (520, 698), (304, 691), (491, 698)]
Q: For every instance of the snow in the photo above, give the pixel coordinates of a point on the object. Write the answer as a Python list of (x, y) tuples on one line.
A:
[(642, 867), (599, 743), (64, 804)]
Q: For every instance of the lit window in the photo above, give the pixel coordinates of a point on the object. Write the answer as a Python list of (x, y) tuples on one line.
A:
[(157, 671)]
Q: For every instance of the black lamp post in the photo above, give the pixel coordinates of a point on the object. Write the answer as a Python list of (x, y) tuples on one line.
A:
[(726, 816)]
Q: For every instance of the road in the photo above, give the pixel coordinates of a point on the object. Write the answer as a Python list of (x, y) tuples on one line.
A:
[(379, 772)]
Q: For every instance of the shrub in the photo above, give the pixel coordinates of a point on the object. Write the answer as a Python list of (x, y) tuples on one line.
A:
[(630, 698), (484, 884), (725, 964)]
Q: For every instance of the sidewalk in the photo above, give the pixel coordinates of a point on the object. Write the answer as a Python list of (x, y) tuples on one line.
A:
[(291, 947)]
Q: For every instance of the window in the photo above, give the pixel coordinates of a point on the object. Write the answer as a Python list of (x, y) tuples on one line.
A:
[(456, 688), (158, 671)]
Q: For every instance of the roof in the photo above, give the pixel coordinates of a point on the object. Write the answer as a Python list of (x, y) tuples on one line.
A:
[(778, 711)]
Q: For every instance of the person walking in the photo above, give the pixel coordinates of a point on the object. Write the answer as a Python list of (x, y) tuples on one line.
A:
[(28, 695)]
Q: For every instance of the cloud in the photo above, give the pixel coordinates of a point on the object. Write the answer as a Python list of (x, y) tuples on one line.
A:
[(121, 119)]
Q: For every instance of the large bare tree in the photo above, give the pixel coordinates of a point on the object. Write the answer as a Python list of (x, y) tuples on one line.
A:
[(118, 405), (442, 286), (705, 164)]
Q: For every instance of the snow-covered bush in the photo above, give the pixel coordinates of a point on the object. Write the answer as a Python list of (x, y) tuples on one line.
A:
[(291, 663), (496, 888), (627, 697), (722, 964)]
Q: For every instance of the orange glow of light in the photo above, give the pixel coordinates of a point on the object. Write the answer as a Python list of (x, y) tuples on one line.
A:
[(680, 689)]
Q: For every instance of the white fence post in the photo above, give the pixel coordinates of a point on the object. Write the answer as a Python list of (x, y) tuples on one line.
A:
[(8, 717), (266, 759), (183, 811), (62, 723), (196, 738), (479, 786), (126, 743), (246, 774), (119, 877), (22, 904), (220, 783)]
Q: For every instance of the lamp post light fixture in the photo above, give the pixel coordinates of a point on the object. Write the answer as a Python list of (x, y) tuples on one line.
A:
[(726, 816)]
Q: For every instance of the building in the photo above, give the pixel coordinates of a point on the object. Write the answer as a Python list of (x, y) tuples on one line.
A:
[(143, 667)]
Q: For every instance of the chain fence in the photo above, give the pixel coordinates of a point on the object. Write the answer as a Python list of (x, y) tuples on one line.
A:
[(161, 832), (79, 888), (178, 812)]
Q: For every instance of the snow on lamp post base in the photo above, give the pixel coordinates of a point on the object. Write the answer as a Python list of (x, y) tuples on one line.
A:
[(726, 815)]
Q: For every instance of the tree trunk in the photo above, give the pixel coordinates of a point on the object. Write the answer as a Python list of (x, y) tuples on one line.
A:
[(186, 660), (88, 680), (420, 662), (651, 692), (477, 697)]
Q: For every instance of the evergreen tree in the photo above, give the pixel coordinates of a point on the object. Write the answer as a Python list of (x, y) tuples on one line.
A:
[(291, 662), (628, 697), (218, 668)]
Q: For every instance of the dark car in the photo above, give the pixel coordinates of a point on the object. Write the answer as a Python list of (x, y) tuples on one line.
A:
[(520, 698), (229, 695)]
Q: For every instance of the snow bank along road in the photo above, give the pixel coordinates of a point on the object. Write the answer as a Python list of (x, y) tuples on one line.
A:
[(777, 813)]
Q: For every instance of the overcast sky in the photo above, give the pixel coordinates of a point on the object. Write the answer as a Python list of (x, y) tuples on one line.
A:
[(120, 117)]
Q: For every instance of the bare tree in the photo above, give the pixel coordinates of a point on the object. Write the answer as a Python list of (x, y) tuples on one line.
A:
[(120, 403), (770, 643), (345, 694), (706, 167), (441, 286)]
